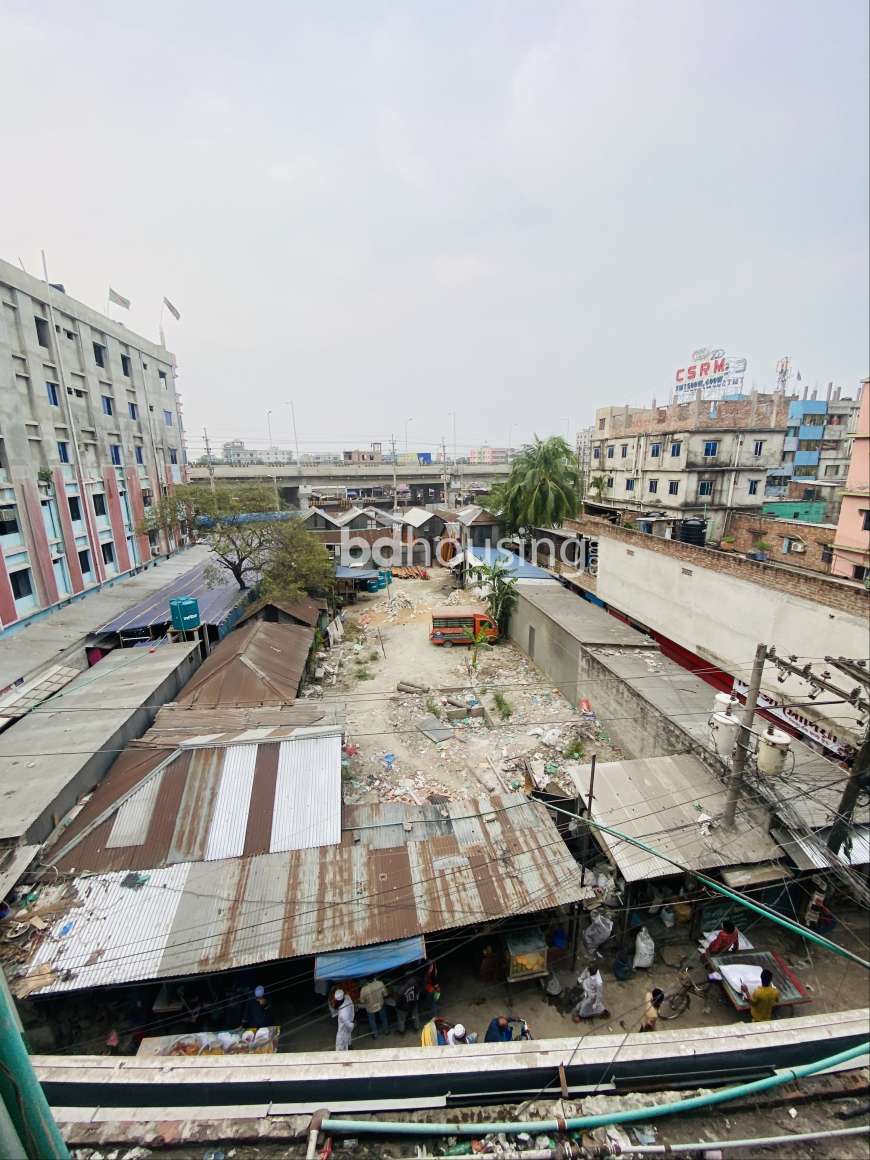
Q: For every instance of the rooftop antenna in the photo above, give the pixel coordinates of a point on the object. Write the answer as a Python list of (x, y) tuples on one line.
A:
[(783, 374)]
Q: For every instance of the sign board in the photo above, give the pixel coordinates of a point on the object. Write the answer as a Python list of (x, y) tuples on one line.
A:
[(711, 374)]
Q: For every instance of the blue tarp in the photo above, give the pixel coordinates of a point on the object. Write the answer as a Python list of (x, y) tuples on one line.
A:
[(369, 960)]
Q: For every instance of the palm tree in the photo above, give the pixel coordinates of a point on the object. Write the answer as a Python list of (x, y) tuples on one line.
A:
[(596, 484), (477, 640), (543, 487), (501, 593)]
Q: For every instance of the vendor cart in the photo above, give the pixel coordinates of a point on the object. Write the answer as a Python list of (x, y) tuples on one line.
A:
[(526, 956), (792, 992)]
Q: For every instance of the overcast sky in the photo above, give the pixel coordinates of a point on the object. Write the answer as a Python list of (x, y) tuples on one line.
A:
[(514, 211)]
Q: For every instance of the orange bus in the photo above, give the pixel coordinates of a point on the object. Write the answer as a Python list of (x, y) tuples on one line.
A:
[(460, 625)]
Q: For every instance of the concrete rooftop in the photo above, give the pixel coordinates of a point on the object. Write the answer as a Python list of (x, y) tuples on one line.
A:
[(64, 747), (581, 618)]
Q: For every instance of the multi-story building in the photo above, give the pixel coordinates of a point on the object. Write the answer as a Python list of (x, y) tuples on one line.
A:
[(584, 451), (374, 455), (488, 455), (236, 453), (696, 459), (90, 432), (852, 541)]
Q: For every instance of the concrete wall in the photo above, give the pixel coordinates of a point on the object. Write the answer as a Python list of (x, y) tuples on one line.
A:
[(721, 617), (555, 650)]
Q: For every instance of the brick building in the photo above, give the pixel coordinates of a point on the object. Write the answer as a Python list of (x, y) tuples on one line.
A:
[(796, 543)]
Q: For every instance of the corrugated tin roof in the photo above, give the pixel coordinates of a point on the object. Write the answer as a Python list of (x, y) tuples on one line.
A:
[(261, 662), (306, 611), (216, 601), (415, 517), (806, 855), (661, 799), (208, 803), (490, 858), (22, 698), (177, 724), (515, 566)]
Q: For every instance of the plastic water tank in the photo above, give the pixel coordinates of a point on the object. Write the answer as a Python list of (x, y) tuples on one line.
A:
[(184, 611), (692, 532), (773, 745)]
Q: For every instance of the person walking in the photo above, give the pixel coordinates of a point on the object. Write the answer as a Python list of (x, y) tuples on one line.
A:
[(652, 1000), (344, 1013), (431, 990), (373, 996)]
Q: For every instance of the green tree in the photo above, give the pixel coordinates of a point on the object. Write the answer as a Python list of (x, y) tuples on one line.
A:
[(501, 593), (596, 484), (477, 640), (296, 563), (543, 487)]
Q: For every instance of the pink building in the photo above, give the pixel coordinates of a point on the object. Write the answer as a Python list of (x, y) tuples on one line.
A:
[(852, 542)]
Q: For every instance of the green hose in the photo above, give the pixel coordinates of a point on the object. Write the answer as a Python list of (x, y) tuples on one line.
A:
[(397, 1128)]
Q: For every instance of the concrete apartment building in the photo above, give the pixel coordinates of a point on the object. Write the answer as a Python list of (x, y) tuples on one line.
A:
[(816, 455), (90, 432), (695, 459), (489, 455), (852, 541)]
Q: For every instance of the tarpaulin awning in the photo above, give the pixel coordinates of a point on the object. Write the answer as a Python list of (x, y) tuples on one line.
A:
[(353, 964), (344, 572)]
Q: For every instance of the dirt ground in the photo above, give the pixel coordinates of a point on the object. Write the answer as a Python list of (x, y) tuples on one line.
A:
[(387, 641)]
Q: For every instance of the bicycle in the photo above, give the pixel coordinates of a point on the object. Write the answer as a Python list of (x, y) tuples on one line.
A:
[(677, 1001)]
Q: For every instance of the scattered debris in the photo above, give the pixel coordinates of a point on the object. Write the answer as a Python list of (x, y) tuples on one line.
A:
[(432, 728)]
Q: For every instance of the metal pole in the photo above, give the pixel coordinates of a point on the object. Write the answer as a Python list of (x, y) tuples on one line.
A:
[(857, 777), (395, 480), (272, 461), (588, 836), (208, 459), (21, 1091), (738, 763), (11, 1147), (293, 424)]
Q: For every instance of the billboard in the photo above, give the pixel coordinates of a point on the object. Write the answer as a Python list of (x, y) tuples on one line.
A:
[(711, 374)]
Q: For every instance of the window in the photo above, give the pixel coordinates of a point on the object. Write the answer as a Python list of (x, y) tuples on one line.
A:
[(63, 452), (99, 354), (85, 561), (601, 423), (711, 448), (51, 391), (859, 572), (753, 487), (173, 455), (705, 487), (758, 447), (70, 334), (99, 503), (609, 452), (115, 452), (655, 450), (167, 418), (676, 448), (126, 366), (134, 410), (673, 487), (795, 515), (41, 331), (629, 484), (8, 521), (623, 451), (653, 486), (809, 494), (163, 381), (108, 406), (21, 584), (865, 520), (108, 550), (596, 452), (610, 481), (75, 508), (827, 553), (832, 470), (137, 451)]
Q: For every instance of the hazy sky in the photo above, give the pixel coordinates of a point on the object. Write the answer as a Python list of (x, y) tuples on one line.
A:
[(517, 211)]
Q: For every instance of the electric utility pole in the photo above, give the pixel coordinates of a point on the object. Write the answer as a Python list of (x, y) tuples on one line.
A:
[(738, 764), (208, 460), (395, 480)]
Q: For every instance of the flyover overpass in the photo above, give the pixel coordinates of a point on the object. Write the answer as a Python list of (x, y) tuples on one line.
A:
[(295, 480)]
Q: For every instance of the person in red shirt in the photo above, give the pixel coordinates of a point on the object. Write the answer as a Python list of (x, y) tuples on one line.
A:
[(726, 940)]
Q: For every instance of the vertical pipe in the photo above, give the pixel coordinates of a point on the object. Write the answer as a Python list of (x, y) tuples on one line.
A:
[(21, 1091)]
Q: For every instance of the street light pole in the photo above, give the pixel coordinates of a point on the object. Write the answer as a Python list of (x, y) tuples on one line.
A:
[(293, 425)]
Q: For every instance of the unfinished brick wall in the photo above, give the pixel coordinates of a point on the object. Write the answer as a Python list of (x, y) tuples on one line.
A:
[(757, 412), (824, 590), (749, 530)]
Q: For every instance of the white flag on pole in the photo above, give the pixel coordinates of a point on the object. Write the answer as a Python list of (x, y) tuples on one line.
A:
[(172, 310), (118, 299)]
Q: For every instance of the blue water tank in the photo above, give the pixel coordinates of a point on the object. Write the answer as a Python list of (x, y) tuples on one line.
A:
[(184, 611)]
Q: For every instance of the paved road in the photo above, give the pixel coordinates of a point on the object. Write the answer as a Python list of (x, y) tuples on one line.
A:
[(23, 652)]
